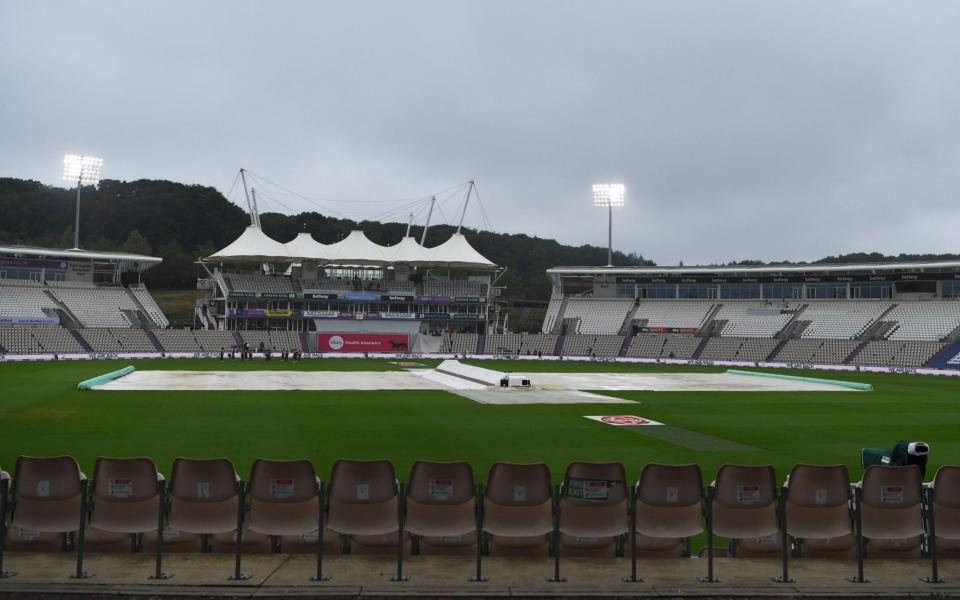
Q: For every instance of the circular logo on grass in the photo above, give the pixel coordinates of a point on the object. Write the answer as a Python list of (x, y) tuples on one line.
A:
[(336, 342), (624, 420)]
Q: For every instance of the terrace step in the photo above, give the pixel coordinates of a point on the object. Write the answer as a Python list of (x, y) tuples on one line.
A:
[(83, 343), (625, 347), (153, 340), (855, 352)]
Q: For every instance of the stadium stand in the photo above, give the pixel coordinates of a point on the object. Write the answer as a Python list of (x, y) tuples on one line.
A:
[(597, 316), (178, 340), (930, 320), (56, 339), (459, 343), (592, 345), (249, 283), (327, 284), (754, 319), (543, 344), (117, 340), (213, 341), (553, 311), (840, 319), (276, 341), (25, 299), (649, 345), (96, 305), (145, 300), (673, 313), (20, 340), (451, 288), (822, 352), (887, 353), (504, 343), (746, 348)]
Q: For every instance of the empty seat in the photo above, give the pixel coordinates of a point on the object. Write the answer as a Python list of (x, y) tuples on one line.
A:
[(47, 500), (668, 507), (441, 506), (127, 499), (517, 507), (286, 499), (741, 504), (816, 507), (944, 502), (889, 517), (365, 506), (205, 499), (592, 510)]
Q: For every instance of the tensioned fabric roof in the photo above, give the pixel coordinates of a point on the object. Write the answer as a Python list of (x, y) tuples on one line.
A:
[(356, 249)]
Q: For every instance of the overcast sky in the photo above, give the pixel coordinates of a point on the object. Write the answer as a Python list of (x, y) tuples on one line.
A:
[(742, 130)]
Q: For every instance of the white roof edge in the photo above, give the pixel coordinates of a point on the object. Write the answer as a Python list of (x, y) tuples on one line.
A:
[(952, 264), (80, 254)]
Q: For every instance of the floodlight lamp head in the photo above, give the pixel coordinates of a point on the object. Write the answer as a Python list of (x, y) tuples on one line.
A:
[(84, 169), (608, 194)]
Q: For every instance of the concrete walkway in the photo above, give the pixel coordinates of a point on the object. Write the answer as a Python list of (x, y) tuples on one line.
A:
[(281, 575)]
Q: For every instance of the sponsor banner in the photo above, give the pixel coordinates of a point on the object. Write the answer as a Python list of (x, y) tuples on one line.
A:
[(362, 342), (433, 316), (321, 314), (853, 278), (398, 315), (397, 298), (360, 297), (468, 299), (254, 312), (278, 313), (31, 320), (623, 420), (433, 299), (318, 296), (366, 316), (33, 263), (664, 329), (241, 295), (467, 317)]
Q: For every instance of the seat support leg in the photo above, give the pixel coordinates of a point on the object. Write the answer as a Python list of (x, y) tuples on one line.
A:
[(241, 506)]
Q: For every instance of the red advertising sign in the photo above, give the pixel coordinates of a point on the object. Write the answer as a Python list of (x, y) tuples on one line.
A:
[(362, 342)]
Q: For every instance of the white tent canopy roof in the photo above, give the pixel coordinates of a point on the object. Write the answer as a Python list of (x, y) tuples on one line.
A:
[(458, 253), (305, 247), (354, 250), (253, 245)]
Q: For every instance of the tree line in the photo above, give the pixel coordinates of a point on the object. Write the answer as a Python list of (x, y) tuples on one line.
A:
[(181, 222)]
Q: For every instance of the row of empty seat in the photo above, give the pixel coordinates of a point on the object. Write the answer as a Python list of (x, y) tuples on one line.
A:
[(595, 511)]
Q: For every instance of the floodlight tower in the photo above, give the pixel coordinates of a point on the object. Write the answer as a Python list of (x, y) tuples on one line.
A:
[(608, 195), (85, 170)]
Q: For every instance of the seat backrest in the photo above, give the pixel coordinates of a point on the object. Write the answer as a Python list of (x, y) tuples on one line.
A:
[(518, 484), (746, 486), (670, 485), (891, 487), (946, 484), (203, 480), (53, 478), (441, 482), (819, 485), (124, 479), (595, 483), (363, 481), (282, 480)]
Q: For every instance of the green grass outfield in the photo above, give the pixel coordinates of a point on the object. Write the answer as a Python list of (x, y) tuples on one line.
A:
[(42, 413)]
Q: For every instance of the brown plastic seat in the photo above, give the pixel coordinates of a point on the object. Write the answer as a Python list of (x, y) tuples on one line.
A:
[(945, 502), (816, 505), (363, 499), (47, 494), (204, 496), (889, 507), (252, 542), (742, 504), (441, 506), (126, 495), (284, 497), (669, 506), (517, 507), (593, 506)]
